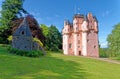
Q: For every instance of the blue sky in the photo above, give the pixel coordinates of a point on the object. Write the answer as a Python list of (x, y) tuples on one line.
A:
[(55, 11)]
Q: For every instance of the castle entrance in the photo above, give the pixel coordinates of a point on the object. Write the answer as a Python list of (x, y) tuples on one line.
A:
[(79, 52)]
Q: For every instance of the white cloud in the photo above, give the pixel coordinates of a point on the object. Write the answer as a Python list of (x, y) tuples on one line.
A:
[(106, 13), (57, 16), (104, 44)]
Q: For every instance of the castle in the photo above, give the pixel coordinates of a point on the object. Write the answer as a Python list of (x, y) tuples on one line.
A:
[(81, 36)]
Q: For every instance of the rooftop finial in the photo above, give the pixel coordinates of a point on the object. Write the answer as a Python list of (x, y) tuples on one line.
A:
[(75, 9)]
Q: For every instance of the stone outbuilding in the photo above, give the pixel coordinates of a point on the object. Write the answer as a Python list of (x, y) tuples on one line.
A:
[(23, 39)]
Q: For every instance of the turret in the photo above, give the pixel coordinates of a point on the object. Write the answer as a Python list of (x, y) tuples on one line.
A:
[(84, 37), (95, 24), (92, 23), (66, 28), (77, 21)]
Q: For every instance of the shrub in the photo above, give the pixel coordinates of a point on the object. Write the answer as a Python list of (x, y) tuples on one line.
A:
[(38, 41), (33, 53), (103, 52)]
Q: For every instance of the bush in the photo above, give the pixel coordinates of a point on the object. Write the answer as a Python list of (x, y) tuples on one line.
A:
[(103, 52), (33, 53)]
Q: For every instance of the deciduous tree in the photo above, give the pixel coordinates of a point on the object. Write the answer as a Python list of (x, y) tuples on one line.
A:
[(11, 10), (114, 41)]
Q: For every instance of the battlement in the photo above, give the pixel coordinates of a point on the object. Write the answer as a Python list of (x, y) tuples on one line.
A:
[(81, 23), (78, 16)]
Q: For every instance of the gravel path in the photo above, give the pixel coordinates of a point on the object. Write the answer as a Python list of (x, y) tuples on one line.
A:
[(108, 60)]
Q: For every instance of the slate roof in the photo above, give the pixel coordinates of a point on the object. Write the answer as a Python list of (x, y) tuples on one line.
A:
[(23, 27)]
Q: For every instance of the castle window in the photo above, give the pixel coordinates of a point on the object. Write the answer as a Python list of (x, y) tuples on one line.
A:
[(94, 46), (78, 41), (88, 40), (70, 45), (69, 36), (88, 34), (76, 28)]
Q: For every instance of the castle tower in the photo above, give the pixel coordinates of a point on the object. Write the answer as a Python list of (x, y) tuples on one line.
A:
[(92, 36), (81, 38), (84, 37), (77, 22), (65, 33)]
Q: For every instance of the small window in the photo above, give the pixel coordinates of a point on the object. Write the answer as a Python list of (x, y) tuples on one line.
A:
[(78, 41), (25, 47), (88, 40), (22, 32), (69, 36), (76, 28), (70, 45), (94, 46)]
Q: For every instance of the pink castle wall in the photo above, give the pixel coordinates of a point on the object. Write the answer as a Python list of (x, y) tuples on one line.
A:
[(81, 37)]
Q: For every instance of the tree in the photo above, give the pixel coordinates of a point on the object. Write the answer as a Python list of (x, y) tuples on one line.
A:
[(11, 10), (45, 29), (53, 39), (114, 41)]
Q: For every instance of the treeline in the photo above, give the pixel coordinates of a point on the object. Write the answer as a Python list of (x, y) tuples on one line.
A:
[(11, 10), (113, 39), (12, 15), (53, 38)]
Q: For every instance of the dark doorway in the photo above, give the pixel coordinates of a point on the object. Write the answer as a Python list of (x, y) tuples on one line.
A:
[(79, 52)]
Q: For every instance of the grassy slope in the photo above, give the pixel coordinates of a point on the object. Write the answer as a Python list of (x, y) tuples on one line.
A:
[(55, 66)]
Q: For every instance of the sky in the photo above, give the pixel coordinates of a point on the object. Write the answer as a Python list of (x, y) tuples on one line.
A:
[(54, 12)]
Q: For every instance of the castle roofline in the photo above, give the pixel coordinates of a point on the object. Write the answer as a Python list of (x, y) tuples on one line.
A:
[(78, 16), (66, 22), (95, 18)]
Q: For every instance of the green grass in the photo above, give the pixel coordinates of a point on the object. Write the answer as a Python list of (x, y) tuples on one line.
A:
[(55, 66)]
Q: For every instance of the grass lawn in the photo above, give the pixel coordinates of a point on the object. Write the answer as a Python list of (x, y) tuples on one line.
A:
[(55, 66)]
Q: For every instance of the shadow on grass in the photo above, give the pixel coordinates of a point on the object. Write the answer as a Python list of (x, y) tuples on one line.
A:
[(43, 68), (47, 67)]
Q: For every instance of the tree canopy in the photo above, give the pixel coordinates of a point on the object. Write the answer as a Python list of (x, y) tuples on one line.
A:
[(53, 37), (114, 41), (11, 10), (34, 27)]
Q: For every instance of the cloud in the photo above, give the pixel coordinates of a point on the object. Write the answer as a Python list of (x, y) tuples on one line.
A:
[(57, 16), (37, 16), (104, 44), (106, 13)]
